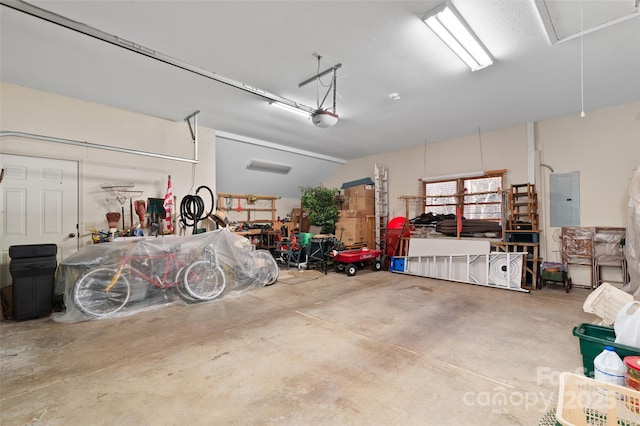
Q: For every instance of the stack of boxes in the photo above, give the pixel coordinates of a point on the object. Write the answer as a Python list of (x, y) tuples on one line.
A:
[(356, 225)]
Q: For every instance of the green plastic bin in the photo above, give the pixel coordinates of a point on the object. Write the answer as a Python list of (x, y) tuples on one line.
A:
[(593, 339)]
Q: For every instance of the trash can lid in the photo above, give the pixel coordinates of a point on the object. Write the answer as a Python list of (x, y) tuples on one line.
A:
[(32, 250)]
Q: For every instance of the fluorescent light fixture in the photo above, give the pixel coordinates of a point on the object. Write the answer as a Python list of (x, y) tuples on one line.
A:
[(449, 25), (290, 108), (266, 166)]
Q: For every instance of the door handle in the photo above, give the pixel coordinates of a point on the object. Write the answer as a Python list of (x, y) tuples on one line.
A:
[(72, 235)]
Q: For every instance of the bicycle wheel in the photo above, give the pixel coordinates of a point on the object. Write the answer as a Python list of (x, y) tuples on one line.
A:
[(91, 296), (204, 281), (179, 288), (267, 270)]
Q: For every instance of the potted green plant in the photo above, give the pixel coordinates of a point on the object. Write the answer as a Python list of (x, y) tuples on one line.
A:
[(320, 204)]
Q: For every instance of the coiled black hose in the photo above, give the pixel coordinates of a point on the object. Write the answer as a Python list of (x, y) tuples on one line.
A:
[(192, 209)]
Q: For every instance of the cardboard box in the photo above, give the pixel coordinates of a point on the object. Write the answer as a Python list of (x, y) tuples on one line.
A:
[(286, 228), (371, 232), (350, 214), (351, 232), (366, 191), (362, 204), (351, 225), (349, 239), (360, 220), (360, 229), (300, 220)]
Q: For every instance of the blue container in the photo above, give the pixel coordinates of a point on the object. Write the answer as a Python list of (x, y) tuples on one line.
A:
[(397, 264)]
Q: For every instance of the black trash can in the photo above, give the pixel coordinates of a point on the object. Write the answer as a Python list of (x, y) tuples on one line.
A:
[(32, 269)]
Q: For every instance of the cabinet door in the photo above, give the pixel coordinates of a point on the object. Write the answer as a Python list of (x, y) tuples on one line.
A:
[(564, 199)]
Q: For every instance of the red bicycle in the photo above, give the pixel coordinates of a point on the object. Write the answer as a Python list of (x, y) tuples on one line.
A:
[(104, 291)]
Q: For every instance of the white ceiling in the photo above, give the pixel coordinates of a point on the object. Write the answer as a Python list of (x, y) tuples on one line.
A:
[(383, 47)]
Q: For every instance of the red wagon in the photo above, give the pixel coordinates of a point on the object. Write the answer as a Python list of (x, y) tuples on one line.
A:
[(347, 260)]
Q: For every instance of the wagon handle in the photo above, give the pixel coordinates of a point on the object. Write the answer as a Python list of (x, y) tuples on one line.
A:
[(341, 233)]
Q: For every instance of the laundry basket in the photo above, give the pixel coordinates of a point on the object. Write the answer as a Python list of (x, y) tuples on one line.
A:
[(584, 401), (606, 301)]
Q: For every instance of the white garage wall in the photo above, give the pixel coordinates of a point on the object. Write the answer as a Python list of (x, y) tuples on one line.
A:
[(32, 111), (604, 146), (504, 149)]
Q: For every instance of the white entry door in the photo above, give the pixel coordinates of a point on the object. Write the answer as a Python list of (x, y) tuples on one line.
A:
[(38, 205)]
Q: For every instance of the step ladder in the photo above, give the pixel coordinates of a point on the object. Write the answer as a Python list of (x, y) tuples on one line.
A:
[(497, 270), (382, 203)]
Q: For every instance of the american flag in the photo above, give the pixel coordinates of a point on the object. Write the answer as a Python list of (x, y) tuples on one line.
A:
[(168, 207)]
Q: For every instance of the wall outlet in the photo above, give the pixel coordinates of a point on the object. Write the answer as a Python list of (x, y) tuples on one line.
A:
[(90, 226)]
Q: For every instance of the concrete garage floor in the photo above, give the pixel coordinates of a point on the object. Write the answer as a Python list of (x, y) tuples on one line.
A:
[(375, 349)]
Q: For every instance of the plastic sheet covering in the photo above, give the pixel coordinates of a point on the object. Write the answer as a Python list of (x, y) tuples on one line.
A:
[(607, 243), (548, 265), (577, 243), (632, 239), (130, 275)]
